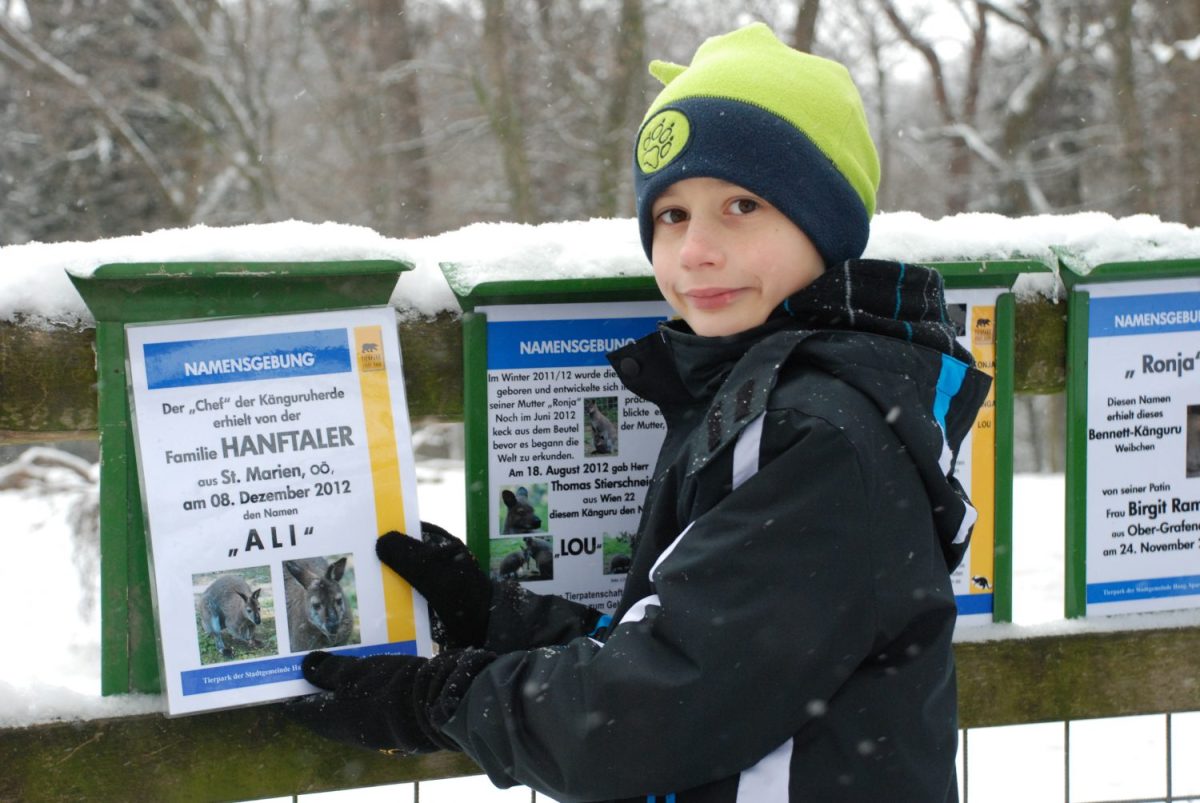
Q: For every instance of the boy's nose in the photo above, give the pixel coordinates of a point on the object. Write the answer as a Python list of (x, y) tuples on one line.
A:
[(701, 246)]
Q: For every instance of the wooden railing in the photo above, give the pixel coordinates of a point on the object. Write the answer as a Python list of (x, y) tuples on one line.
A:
[(48, 378)]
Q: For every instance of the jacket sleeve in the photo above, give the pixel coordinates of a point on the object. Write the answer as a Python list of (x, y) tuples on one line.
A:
[(763, 607), (522, 620)]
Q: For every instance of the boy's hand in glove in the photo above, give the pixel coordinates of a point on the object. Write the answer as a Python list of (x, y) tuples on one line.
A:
[(471, 609), (443, 570), (392, 703)]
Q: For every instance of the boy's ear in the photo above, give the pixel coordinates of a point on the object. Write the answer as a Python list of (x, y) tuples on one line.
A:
[(665, 71)]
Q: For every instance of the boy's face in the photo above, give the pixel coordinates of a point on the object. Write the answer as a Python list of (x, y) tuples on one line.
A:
[(725, 258)]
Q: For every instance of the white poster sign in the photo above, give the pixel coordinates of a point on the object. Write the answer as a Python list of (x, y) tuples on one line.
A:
[(272, 452), (1143, 446), (570, 450)]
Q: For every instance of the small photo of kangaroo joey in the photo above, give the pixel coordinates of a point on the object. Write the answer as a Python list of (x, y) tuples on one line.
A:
[(235, 615), (525, 558), (618, 552), (322, 602), (510, 559), (601, 425), (524, 509)]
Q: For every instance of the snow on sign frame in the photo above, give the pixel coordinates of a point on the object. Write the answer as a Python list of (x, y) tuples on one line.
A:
[(272, 451), (1133, 436), (562, 451)]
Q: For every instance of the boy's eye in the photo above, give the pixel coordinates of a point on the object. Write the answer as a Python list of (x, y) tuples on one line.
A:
[(670, 216), (743, 206)]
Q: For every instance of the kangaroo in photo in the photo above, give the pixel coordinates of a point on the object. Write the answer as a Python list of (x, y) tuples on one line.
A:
[(543, 556), (513, 563), (622, 562), (318, 614), (1192, 469), (229, 607), (604, 432), (520, 517)]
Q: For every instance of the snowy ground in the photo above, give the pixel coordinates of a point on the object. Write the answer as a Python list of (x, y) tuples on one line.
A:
[(1110, 759)]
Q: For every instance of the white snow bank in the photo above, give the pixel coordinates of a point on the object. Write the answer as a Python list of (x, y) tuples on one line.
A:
[(517, 251), (22, 706), (1160, 620), (33, 277), (1096, 237)]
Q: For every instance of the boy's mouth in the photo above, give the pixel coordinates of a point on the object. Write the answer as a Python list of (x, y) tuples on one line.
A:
[(712, 297)]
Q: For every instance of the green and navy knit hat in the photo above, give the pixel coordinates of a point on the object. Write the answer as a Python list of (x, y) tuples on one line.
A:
[(786, 125)]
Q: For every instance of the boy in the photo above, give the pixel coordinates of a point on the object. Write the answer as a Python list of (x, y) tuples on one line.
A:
[(785, 628)]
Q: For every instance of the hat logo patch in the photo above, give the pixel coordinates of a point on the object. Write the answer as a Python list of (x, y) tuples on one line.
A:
[(663, 138)]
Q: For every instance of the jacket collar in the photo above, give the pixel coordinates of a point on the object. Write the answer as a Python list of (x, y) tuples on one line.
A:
[(880, 297), (675, 366)]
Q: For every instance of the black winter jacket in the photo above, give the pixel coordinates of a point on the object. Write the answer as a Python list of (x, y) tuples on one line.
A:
[(785, 629)]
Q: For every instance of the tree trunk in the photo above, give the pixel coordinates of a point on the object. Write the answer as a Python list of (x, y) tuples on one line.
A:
[(804, 32), (1138, 194), (404, 174), (1181, 126), (503, 110), (624, 103)]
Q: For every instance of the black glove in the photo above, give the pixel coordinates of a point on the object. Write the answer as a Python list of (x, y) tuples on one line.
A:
[(443, 682), (443, 570), (469, 608), (392, 703)]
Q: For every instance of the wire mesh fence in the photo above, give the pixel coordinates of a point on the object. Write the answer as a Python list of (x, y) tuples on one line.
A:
[(1140, 759)]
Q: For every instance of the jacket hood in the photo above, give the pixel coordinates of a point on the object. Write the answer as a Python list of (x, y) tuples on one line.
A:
[(893, 343)]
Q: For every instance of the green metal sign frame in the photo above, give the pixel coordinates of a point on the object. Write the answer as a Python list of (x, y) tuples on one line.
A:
[(1077, 276), (118, 294)]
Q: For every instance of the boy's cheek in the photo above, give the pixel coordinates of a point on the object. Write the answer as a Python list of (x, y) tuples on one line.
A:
[(661, 272), (673, 301), (665, 289)]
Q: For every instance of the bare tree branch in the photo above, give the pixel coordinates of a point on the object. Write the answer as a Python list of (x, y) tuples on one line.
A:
[(167, 189), (937, 74), (960, 155), (251, 133), (1027, 21)]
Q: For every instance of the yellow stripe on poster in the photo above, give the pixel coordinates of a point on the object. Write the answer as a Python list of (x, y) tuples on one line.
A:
[(385, 471), (983, 455)]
